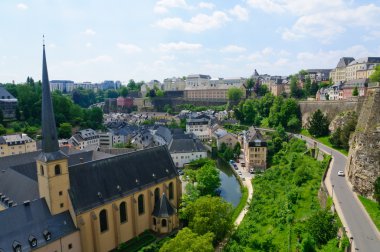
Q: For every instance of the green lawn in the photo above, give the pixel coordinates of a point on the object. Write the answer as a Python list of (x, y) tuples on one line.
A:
[(325, 141), (373, 209)]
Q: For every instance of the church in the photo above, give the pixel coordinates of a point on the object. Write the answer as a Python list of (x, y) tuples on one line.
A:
[(68, 200)]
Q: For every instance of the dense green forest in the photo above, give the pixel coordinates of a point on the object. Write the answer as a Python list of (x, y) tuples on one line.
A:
[(284, 214), (28, 112)]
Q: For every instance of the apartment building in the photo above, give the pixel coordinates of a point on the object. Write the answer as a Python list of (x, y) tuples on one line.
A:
[(85, 139), (200, 127), (16, 144), (255, 150), (350, 69)]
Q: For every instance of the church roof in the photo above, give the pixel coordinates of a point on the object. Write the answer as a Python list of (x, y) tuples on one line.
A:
[(163, 208), (32, 219), (94, 183)]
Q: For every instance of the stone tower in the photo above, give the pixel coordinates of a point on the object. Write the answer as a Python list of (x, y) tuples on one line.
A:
[(363, 164), (52, 163)]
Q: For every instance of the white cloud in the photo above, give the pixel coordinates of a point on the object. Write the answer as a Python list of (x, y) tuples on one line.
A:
[(266, 5), (198, 23), (129, 48), (22, 6), (89, 32), (239, 12), (233, 49), (91, 61), (325, 26), (88, 45), (52, 45), (163, 6), (206, 5), (180, 46), (168, 57)]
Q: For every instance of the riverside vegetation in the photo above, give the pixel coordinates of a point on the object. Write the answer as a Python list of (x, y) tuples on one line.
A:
[(284, 214)]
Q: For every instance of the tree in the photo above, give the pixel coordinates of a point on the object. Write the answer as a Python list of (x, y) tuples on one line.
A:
[(307, 86), (124, 91), (112, 93), (335, 137), (322, 226), (1, 116), (295, 91), (132, 85), (263, 90), (376, 193), (159, 93), (250, 82), (186, 240), (210, 214), (355, 91), (318, 124), (234, 94), (375, 77), (313, 88), (3, 130), (65, 130), (208, 179)]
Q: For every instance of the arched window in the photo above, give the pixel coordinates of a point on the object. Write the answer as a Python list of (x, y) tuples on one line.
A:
[(57, 169), (42, 170), (154, 221), (123, 212), (156, 195), (103, 220), (141, 204), (163, 223), (171, 190)]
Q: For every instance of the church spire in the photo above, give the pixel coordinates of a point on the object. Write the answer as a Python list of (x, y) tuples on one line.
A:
[(50, 147)]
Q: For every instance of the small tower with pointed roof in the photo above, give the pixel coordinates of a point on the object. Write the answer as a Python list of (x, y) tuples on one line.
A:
[(52, 163)]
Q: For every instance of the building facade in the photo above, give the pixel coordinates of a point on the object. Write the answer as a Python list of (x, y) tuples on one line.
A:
[(255, 150), (85, 139), (16, 144), (8, 104), (200, 127)]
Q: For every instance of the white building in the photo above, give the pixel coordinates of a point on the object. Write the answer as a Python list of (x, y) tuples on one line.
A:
[(185, 148), (174, 84), (200, 127), (86, 139)]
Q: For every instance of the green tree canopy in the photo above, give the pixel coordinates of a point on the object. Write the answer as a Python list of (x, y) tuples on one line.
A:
[(318, 124), (186, 240), (355, 91), (208, 180), (234, 94), (322, 226), (210, 214), (3, 130), (124, 91), (375, 77), (65, 130)]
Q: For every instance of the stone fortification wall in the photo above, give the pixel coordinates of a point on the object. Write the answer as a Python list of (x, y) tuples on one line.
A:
[(330, 108), (363, 166)]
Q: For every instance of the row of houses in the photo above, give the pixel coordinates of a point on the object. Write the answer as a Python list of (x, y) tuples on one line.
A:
[(68, 86), (349, 68), (345, 90)]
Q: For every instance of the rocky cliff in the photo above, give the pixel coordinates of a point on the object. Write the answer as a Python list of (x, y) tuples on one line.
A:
[(363, 164)]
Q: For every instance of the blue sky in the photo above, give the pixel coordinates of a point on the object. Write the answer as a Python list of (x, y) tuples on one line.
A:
[(144, 40)]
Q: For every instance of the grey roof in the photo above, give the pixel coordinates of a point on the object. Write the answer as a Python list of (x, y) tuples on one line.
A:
[(94, 183), (6, 94), (343, 62), (355, 83), (367, 60), (19, 222), (165, 133), (163, 208), (50, 147), (18, 175), (185, 143)]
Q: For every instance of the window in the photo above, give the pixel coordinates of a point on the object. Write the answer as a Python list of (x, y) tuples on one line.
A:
[(156, 195), (123, 212), (57, 169), (60, 193), (171, 191), (42, 170), (163, 223), (70, 246), (61, 205), (154, 221), (141, 204), (103, 220)]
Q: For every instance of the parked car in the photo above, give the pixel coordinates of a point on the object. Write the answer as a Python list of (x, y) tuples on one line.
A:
[(251, 171), (240, 173), (180, 172), (235, 167), (232, 162), (341, 173)]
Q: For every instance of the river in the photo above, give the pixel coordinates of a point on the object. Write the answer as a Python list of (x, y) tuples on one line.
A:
[(230, 187)]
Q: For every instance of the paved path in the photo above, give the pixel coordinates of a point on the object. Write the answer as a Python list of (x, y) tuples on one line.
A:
[(356, 220), (247, 183)]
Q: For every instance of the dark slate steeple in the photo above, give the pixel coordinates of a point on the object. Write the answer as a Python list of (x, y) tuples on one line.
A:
[(50, 147), (163, 208)]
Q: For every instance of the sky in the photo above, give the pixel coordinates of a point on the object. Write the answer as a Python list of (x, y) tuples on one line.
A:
[(144, 40)]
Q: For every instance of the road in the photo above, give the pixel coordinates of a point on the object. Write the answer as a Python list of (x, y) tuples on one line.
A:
[(356, 221)]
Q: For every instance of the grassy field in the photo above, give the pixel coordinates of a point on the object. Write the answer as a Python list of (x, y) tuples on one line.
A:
[(373, 209), (325, 141)]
